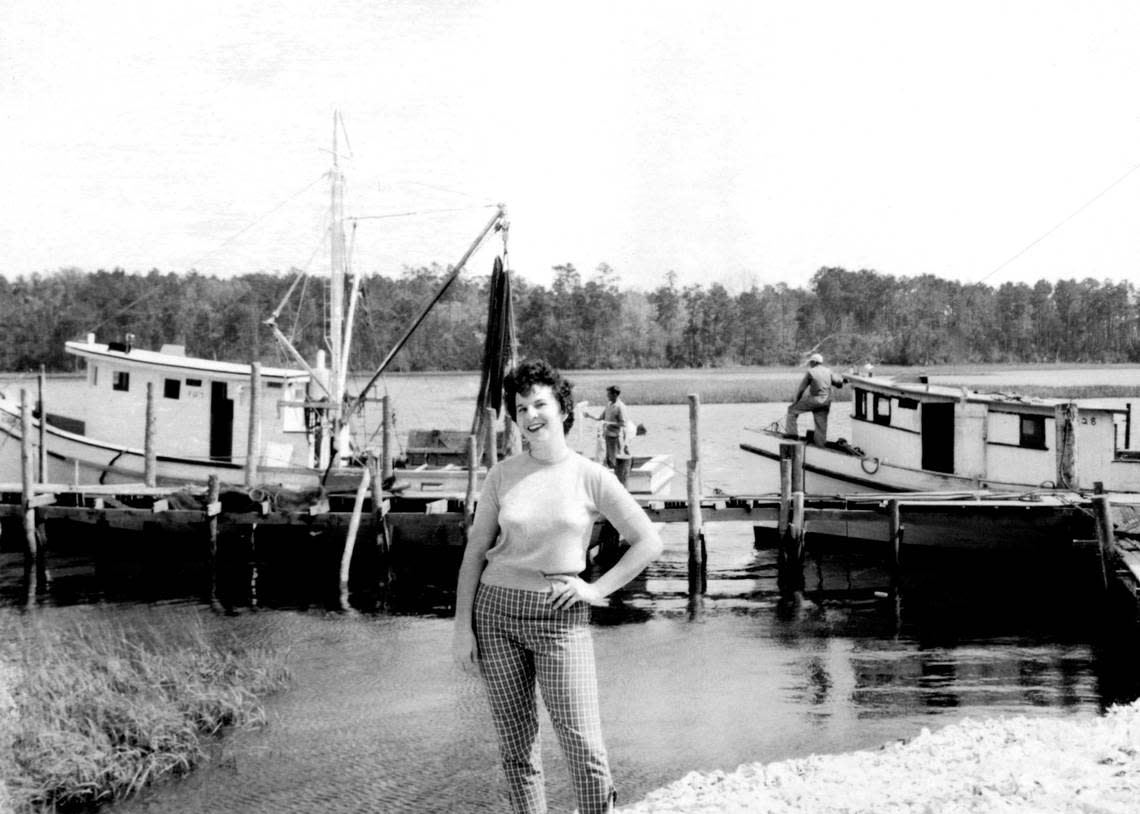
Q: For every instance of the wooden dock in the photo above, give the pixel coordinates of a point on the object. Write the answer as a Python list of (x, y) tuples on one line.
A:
[(389, 528)]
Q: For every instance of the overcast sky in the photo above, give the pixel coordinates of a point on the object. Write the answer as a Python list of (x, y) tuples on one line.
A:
[(741, 142)]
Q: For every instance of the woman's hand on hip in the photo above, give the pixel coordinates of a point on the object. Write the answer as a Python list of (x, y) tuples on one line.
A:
[(566, 590), (465, 650)]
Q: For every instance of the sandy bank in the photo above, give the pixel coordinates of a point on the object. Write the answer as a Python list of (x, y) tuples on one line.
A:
[(998, 766)]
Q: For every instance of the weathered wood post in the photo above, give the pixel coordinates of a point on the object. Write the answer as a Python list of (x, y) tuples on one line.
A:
[(492, 456), (213, 508), (1065, 417), (790, 561), (786, 452), (43, 427), (698, 572), (472, 469), (253, 442), (1105, 535), (350, 538), (380, 531), (150, 459), (27, 501), (386, 445), (894, 542)]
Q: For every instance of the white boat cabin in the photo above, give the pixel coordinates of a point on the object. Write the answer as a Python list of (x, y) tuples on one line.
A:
[(201, 405), (996, 438)]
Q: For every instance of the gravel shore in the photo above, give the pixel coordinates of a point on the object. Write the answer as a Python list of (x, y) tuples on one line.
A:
[(995, 766)]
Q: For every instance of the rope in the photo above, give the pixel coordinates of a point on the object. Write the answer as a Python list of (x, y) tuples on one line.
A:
[(1081, 209), (388, 215)]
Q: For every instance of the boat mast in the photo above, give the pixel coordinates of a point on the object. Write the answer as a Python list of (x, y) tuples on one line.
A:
[(336, 291)]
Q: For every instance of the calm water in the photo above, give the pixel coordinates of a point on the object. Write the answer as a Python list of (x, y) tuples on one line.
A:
[(379, 721)]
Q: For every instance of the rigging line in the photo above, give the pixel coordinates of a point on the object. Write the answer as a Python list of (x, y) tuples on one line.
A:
[(439, 188), (154, 290), (258, 220), (422, 212), (1085, 206)]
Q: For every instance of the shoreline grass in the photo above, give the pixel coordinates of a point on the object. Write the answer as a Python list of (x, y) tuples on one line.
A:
[(101, 710), (670, 391)]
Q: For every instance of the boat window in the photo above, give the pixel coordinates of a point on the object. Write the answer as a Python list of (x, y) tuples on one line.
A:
[(94, 375), (908, 404), (121, 380), (1033, 431), (172, 388), (193, 382), (882, 409), (274, 385), (860, 403)]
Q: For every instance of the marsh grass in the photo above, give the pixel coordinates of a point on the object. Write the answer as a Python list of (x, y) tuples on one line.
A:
[(673, 389), (102, 710)]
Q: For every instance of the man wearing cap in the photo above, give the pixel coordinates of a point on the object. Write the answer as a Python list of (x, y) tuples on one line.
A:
[(813, 396), (613, 426)]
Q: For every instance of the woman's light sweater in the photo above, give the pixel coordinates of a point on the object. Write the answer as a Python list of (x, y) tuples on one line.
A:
[(543, 514)]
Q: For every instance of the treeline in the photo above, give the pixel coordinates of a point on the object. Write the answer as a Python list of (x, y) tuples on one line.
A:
[(852, 316)]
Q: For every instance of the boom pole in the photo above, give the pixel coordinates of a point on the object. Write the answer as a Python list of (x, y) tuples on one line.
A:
[(495, 223)]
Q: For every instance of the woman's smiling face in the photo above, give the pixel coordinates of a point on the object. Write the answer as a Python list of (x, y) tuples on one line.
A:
[(538, 413)]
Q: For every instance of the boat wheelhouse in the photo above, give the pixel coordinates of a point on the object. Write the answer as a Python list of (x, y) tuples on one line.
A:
[(910, 436)]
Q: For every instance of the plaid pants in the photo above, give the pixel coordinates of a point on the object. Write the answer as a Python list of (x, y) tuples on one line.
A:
[(522, 638)]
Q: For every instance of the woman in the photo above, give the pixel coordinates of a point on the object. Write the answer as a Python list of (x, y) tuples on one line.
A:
[(522, 613)]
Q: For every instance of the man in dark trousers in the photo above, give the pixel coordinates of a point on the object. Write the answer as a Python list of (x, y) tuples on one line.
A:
[(813, 396), (613, 426)]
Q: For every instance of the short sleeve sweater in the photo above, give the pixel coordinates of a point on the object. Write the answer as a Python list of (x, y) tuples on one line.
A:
[(543, 514)]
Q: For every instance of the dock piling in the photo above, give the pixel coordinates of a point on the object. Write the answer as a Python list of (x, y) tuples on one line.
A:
[(895, 542), (380, 531), (43, 471), (490, 416), (253, 442), (350, 537), (1066, 420), (472, 467), (790, 560), (213, 492), (386, 445), (698, 569), (1106, 537), (33, 554)]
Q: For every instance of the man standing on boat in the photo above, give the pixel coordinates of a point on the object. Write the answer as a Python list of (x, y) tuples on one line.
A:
[(613, 426), (813, 396)]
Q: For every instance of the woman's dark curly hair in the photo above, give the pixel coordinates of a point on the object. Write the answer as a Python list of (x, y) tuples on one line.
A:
[(524, 377)]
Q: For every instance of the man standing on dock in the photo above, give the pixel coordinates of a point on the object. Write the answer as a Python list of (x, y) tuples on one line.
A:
[(813, 396)]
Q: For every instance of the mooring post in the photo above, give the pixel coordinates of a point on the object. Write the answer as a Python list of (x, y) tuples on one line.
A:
[(790, 562), (43, 427), (472, 468), (1105, 535), (1065, 417), (350, 539), (492, 437), (785, 492), (150, 459), (380, 526), (895, 540), (253, 442), (27, 465), (698, 572), (213, 492), (386, 445)]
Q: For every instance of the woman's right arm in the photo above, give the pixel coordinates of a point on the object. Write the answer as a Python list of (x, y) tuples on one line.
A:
[(480, 536)]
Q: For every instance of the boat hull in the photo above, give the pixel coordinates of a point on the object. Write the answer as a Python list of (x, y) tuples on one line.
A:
[(829, 471)]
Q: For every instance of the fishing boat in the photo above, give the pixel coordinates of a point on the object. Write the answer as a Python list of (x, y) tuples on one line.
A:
[(911, 435), (292, 427)]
